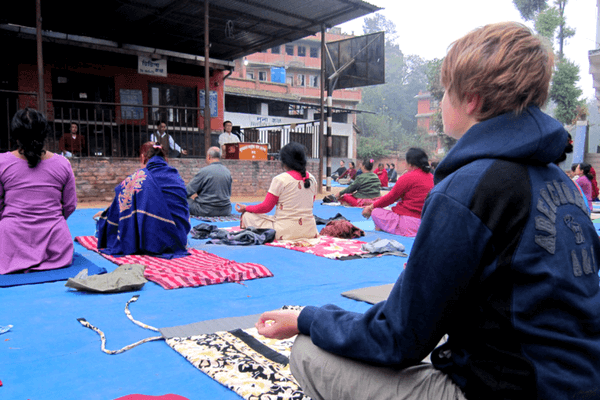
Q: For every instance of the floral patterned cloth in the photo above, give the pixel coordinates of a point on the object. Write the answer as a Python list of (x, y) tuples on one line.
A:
[(324, 246), (232, 362)]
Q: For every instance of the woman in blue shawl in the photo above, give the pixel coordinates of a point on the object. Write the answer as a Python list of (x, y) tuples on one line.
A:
[(150, 213)]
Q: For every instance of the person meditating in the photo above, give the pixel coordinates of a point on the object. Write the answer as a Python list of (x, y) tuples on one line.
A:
[(410, 192), (293, 192), (37, 195), (585, 181), (505, 263), (209, 192), (364, 190), (348, 175), (382, 174), (150, 213)]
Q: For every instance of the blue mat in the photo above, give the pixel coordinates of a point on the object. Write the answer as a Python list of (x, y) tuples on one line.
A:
[(79, 263), (50, 356)]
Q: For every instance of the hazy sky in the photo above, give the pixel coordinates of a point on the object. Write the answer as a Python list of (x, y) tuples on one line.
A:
[(426, 28)]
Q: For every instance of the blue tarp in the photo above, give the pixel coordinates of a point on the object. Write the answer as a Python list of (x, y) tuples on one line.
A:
[(49, 355)]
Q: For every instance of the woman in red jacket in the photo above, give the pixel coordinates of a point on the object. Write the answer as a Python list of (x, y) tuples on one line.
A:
[(409, 191), (382, 175)]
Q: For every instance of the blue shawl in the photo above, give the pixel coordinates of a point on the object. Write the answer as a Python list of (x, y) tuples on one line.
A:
[(149, 215)]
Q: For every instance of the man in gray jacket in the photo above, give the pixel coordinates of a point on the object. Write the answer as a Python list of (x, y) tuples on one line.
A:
[(209, 191)]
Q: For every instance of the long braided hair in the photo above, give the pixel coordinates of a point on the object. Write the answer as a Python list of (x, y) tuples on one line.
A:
[(293, 156), (30, 127)]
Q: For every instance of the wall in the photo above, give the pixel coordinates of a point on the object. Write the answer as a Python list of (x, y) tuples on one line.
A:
[(124, 78), (96, 178)]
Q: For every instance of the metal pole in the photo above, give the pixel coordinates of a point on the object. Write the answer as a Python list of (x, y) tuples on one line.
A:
[(322, 124), (206, 81), (40, 59), (329, 128)]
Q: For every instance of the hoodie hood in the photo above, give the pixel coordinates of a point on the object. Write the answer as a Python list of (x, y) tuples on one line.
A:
[(531, 137)]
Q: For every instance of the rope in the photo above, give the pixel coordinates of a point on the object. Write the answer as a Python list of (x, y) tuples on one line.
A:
[(86, 324)]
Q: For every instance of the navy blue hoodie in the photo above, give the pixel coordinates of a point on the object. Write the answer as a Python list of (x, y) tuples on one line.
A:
[(505, 263)]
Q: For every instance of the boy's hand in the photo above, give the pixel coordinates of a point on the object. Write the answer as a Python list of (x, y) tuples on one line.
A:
[(278, 324)]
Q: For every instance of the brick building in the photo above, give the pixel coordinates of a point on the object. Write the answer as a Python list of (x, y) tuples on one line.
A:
[(280, 87)]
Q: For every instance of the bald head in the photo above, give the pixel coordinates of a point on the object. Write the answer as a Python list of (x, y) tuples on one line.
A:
[(213, 154)]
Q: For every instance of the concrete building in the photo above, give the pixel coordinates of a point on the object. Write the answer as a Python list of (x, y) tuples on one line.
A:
[(278, 90)]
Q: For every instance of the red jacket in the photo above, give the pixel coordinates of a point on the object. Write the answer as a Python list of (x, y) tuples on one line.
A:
[(409, 191), (383, 176)]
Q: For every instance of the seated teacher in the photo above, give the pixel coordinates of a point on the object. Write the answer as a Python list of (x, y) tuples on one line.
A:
[(37, 195), (150, 213), (293, 192), (364, 190), (410, 192)]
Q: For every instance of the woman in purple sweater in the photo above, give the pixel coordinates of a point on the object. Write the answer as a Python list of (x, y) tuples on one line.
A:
[(37, 195)]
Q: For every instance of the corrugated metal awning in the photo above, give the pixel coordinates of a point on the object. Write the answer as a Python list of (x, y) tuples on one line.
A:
[(237, 27)]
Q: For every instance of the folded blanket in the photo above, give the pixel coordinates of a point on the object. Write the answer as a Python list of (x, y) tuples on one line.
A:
[(324, 246), (200, 268)]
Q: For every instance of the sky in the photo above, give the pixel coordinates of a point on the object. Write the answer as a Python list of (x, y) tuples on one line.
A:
[(426, 28)]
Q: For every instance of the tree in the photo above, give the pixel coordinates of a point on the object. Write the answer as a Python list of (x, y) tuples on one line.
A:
[(529, 9), (378, 23), (434, 86), (564, 91), (393, 102), (547, 20)]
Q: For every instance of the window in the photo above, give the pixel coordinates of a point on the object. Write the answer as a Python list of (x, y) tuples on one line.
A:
[(289, 80), (314, 81), (301, 51), (300, 80), (314, 52), (296, 110), (240, 104), (340, 146), (250, 75), (175, 96), (289, 49), (262, 76), (276, 50)]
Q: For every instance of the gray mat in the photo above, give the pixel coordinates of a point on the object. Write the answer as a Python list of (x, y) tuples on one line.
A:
[(371, 295), (210, 326)]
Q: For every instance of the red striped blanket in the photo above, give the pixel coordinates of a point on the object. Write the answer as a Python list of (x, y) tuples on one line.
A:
[(198, 269)]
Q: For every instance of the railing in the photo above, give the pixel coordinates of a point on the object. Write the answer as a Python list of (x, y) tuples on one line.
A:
[(119, 129), (108, 129), (277, 136)]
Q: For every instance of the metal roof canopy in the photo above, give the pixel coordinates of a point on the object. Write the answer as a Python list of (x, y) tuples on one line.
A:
[(236, 27)]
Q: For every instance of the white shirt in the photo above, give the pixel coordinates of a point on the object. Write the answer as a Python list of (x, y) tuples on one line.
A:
[(225, 138), (154, 138)]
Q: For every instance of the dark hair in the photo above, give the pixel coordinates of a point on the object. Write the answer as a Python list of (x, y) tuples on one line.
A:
[(227, 122), (30, 128), (380, 165), (161, 122), (418, 158), (585, 167), (368, 164), (293, 156), (353, 165), (434, 164), (574, 167), (393, 165), (563, 156), (151, 149)]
